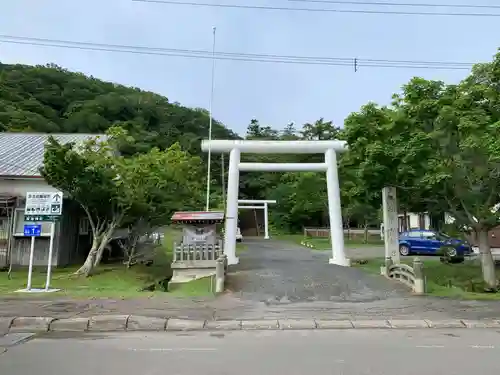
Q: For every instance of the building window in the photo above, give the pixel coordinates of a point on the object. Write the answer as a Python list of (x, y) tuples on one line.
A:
[(19, 224), (84, 226)]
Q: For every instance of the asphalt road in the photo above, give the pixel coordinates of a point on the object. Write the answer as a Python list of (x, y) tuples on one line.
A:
[(349, 352)]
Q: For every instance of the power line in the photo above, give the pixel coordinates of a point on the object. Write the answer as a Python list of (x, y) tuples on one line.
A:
[(317, 10), (230, 54), (234, 56), (386, 3)]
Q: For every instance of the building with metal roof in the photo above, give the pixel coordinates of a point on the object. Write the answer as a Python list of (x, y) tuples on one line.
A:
[(21, 157), (21, 154)]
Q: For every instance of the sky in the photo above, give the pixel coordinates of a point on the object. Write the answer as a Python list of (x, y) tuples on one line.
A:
[(273, 93)]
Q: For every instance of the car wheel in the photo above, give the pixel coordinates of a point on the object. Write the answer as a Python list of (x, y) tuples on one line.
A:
[(404, 250), (451, 252)]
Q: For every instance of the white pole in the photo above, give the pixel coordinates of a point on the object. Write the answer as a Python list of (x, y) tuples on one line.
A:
[(223, 181), (51, 249), (233, 181), (266, 222), (210, 121), (30, 267), (335, 210)]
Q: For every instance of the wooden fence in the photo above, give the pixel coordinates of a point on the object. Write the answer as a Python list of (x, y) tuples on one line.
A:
[(353, 232)]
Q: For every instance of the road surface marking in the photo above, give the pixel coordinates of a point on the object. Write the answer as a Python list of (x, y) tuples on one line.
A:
[(172, 349), (483, 346), (429, 346)]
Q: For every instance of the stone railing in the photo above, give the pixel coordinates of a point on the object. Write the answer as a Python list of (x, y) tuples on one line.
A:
[(411, 276), (191, 262), (187, 253)]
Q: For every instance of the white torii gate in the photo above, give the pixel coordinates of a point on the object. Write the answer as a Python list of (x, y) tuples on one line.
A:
[(236, 147), (264, 207)]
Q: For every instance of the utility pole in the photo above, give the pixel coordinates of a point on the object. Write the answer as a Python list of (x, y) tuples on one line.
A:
[(207, 207), (223, 178)]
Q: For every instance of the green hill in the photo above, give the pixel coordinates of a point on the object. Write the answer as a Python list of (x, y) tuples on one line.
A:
[(51, 99)]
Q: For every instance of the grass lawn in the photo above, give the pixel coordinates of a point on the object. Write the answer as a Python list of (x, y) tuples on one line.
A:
[(113, 280), (195, 288), (324, 243), (463, 281), (240, 247)]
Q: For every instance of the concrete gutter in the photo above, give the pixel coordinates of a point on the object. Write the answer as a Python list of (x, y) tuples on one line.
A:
[(122, 323)]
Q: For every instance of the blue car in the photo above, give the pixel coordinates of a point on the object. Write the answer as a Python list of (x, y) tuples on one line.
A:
[(428, 242)]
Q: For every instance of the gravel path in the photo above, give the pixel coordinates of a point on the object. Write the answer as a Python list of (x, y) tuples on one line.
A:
[(281, 279), (279, 272)]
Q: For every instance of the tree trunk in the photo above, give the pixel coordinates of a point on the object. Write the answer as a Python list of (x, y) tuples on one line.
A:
[(102, 246), (487, 263), (132, 250), (347, 224), (88, 266), (365, 233)]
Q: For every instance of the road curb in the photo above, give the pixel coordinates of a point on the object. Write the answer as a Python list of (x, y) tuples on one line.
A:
[(134, 323)]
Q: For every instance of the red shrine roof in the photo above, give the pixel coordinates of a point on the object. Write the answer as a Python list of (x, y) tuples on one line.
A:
[(199, 217)]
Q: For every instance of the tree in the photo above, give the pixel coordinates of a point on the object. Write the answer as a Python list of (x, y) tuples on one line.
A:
[(50, 99), (439, 144), (289, 133), (169, 181), (301, 201), (256, 131), (114, 190), (320, 130), (360, 203)]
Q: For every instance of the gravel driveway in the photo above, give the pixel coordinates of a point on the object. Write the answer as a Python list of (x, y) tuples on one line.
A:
[(283, 279), (274, 271)]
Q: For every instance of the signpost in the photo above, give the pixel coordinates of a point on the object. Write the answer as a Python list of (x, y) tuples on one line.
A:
[(44, 205), (31, 230), (41, 207)]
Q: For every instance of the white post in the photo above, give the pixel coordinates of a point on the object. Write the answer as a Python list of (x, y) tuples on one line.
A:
[(210, 121), (266, 222), (335, 210), (51, 249), (391, 228), (30, 267), (233, 181)]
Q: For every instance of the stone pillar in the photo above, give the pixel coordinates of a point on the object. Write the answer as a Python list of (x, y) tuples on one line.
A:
[(418, 269), (335, 210), (220, 274), (233, 182), (391, 228), (384, 269)]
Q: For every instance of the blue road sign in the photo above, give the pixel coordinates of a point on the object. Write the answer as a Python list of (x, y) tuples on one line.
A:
[(32, 230)]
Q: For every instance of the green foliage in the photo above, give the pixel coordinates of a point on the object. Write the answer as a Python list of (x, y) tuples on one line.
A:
[(50, 99), (112, 187), (462, 280), (439, 145), (140, 191)]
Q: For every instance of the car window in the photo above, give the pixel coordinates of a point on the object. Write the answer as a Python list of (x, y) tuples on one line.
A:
[(428, 234), (442, 236), (414, 234)]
